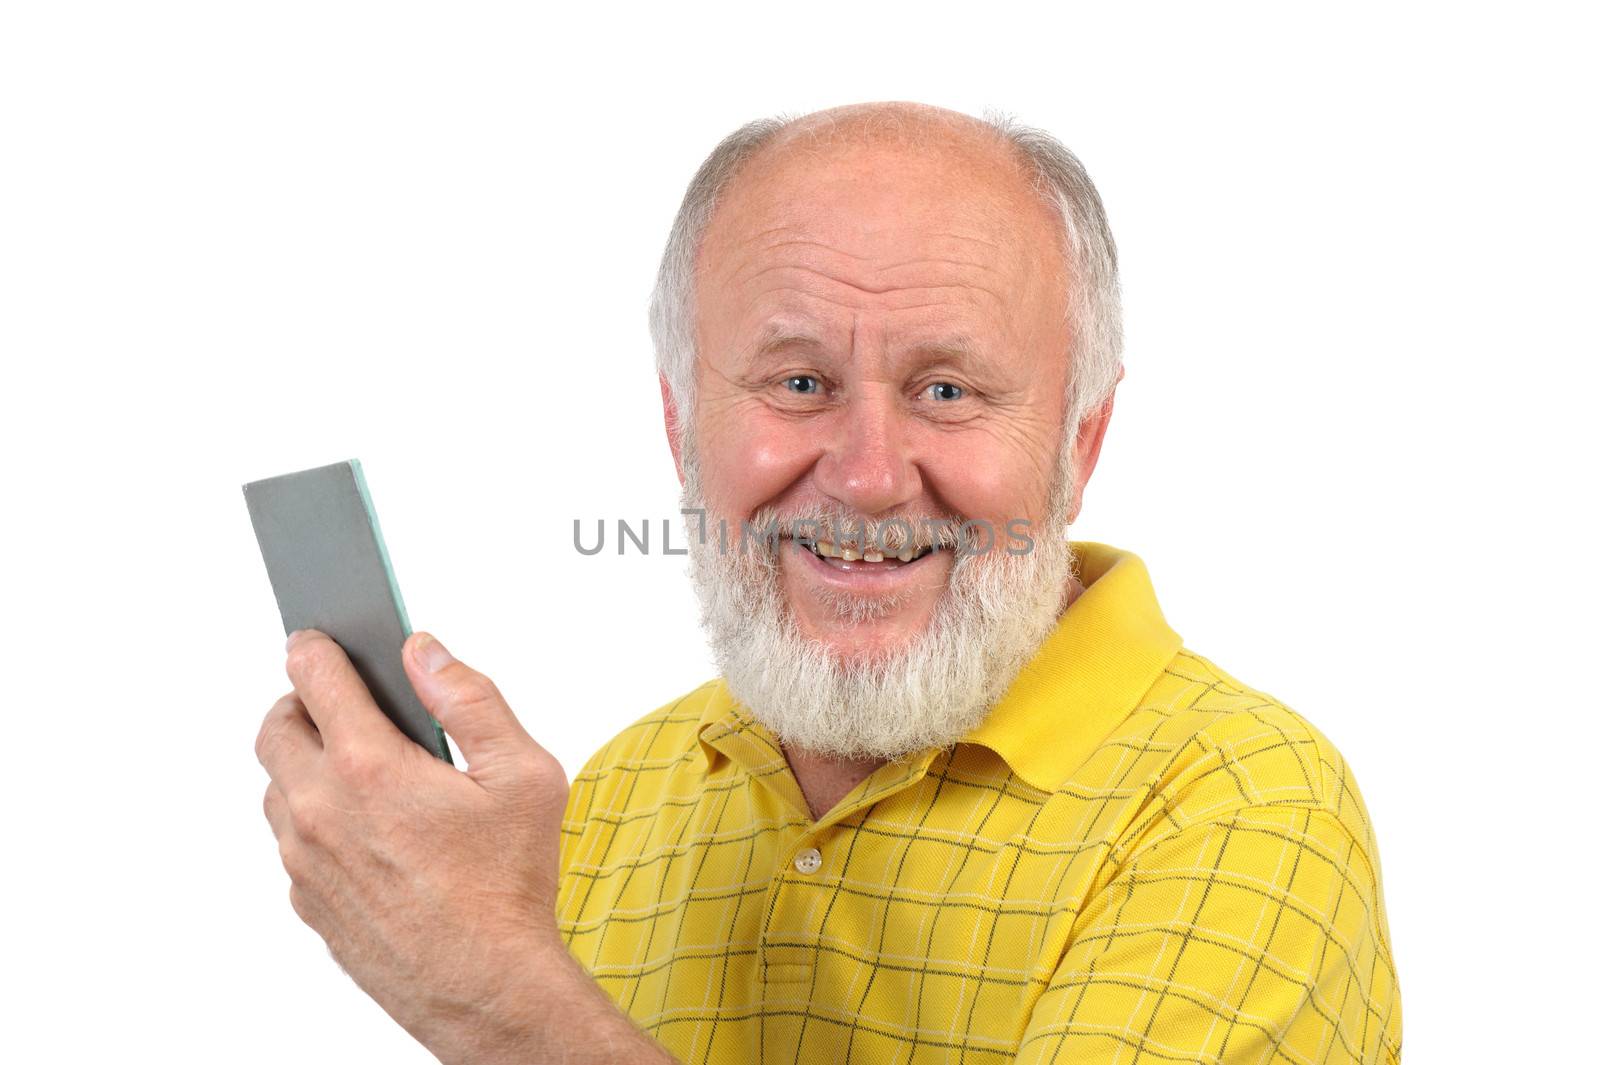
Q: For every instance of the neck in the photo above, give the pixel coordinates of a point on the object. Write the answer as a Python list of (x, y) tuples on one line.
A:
[(825, 779)]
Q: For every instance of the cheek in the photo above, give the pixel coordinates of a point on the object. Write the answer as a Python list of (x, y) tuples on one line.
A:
[(750, 458), (991, 477)]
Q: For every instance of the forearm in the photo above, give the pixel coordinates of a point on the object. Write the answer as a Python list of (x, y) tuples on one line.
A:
[(554, 1013)]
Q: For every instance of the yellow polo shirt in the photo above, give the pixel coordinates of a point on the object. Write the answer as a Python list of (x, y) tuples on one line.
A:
[(1135, 858)]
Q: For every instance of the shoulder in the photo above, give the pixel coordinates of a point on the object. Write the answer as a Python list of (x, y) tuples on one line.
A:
[(632, 771), (665, 736), (1215, 746), (1243, 841)]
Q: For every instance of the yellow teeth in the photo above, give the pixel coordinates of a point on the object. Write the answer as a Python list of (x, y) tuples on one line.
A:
[(828, 549)]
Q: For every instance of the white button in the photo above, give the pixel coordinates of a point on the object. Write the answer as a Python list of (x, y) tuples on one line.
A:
[(808, 860)]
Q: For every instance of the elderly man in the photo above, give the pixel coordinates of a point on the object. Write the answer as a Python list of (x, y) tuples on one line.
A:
[(957, 795)]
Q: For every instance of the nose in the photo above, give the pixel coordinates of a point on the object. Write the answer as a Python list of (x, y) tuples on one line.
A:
[(867, 464)]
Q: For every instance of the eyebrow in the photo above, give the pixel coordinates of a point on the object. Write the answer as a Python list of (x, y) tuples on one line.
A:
[(774, 338), (957, 348)]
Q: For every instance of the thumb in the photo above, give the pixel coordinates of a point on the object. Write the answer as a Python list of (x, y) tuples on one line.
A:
[(464, 701)]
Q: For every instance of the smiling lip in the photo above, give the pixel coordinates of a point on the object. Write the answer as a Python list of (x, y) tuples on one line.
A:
[(889, 575)]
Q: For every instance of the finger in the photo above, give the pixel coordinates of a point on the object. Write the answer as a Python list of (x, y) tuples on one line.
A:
[(335, 696), (312, 913), (287, 745), (465, 702), (276, 807)]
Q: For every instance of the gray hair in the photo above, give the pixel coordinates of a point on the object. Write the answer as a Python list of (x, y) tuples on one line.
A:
[(1094, 311)]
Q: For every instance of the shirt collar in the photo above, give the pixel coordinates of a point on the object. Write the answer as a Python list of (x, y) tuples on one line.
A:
[(1104, 653), (1089, 674)]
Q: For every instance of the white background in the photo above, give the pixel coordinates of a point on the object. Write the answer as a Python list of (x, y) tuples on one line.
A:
[(1354, 444)]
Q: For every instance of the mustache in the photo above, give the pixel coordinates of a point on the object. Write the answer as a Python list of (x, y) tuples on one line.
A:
[(844, 528)]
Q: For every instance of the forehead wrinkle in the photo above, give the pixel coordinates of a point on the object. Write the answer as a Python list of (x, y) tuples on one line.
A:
[(868, 289), (1009, 255), (880, 277), (801, 233), (803, 243), (963, 272), (788, 307)]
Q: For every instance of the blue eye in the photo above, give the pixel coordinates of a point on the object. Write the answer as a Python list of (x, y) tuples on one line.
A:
[(944, 390), (803, 384)]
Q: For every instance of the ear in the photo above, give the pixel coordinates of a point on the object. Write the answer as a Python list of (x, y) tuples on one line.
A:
[(669, 411), (1086, 449)]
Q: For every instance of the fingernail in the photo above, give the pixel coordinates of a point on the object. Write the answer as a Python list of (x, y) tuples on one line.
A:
[(432, 654), (290, 641)]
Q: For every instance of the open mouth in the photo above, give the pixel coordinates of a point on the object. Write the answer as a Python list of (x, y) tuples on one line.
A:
[(831, 552)]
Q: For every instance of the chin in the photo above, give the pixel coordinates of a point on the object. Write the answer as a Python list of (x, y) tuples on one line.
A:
[(863, 641)]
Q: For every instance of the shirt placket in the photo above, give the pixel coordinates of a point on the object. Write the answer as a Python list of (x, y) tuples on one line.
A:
[(810, 869)]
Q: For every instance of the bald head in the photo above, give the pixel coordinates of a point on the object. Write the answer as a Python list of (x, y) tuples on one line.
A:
[(928, 164), (895, 122), (1016, 184)]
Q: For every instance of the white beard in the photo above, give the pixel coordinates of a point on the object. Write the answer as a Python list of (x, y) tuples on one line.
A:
[(991, 619)]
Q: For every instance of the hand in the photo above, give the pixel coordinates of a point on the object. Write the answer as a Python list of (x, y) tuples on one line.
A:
[(433, 887)]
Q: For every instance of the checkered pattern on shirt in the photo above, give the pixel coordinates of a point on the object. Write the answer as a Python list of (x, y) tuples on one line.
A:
[(1203, 888)]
